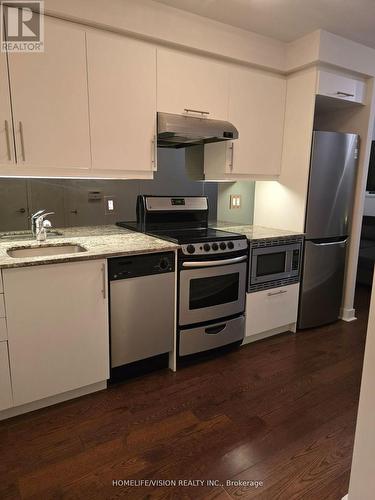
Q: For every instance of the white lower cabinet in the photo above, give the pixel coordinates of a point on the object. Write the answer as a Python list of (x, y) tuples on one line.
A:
[(57, 318), (6, 400), (268, 310)]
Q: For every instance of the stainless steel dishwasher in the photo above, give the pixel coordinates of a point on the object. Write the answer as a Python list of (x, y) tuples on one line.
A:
[(142, 304)]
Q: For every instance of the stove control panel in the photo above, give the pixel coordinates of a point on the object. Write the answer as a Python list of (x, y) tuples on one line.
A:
[(214, 247)]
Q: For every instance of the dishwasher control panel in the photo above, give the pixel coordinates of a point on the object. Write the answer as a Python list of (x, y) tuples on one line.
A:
[(120, 268)]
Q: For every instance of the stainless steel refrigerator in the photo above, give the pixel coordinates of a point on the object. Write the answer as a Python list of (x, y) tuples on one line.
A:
[(329, 206)]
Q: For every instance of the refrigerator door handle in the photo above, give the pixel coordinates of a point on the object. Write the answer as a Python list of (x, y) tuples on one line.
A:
[(331, 243)]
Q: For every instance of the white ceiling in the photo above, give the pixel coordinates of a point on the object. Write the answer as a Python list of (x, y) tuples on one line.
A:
[(287, 20)]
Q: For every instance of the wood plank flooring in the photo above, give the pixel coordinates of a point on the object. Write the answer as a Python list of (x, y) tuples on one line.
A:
[(281, 411)]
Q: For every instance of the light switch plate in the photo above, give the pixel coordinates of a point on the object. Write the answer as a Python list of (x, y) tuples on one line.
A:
[(235, 201), (109, 205)]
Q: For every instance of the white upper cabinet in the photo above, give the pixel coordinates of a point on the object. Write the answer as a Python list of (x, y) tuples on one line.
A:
[(333, 84), (122, 94), (257, 110), (7, 156), (191, 82), (50, 103)]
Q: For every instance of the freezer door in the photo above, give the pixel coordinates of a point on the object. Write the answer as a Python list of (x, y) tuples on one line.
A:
[(331, 184), (322, 283)]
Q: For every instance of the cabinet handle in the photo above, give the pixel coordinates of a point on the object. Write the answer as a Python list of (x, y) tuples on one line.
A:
[(231, 163), (154, 162), (22, 142), (104, 291), (187, 110), (7, 137), (345, 94), (271, 294)]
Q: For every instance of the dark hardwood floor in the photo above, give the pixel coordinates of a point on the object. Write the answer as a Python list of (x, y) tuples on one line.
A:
[(281, 411)]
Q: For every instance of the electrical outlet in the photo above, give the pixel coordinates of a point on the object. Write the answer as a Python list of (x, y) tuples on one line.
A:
[(110, 205), (235, 201)]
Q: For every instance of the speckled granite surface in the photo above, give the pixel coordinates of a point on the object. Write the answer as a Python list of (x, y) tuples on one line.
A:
[(255, 232), (99, 241)]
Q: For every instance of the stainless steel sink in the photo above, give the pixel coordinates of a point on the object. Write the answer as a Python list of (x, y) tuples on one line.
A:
[(26, 235), (45, 251)]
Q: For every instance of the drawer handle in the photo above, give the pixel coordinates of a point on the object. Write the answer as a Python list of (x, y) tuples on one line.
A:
[(187, 110), (271, 294), (213, 330), (345, 94)]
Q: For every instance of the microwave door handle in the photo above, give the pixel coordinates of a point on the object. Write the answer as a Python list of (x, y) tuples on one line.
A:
[(211, 263)]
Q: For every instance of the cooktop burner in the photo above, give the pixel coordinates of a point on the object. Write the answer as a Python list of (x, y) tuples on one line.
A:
[(184, 220), (194, 235)]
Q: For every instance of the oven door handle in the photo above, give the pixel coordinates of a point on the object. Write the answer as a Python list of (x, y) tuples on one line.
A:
[(211, 263)]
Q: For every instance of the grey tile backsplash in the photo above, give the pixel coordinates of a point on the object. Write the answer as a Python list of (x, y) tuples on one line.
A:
[(69, 199)]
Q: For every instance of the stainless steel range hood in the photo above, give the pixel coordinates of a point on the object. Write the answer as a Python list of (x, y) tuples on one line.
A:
[(181, 131)]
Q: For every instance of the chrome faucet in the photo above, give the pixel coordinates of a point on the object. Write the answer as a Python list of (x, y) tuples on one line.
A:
[(33, 220), (39, 224)]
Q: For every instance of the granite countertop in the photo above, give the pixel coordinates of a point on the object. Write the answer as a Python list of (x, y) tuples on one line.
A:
[(99, 241), (255, 232)]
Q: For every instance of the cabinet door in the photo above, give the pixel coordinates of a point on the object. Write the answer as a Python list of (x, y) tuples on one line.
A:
[(57, 317), (7, 156), (6, 400), (338, 86), (192, 82), (269, 309), (257, 109), (50, 101), (122, 91)]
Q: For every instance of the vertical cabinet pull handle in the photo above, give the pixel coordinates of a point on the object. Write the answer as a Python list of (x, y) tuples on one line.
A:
[(231, 147), (154, 161), (22, 142), (7, 137), (104, 291)]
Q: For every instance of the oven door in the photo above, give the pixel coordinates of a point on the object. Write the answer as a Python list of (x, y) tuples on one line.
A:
[(274, 263), (210, 291)]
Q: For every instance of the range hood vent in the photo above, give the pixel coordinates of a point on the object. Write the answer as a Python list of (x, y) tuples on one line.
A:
[(181, 131)]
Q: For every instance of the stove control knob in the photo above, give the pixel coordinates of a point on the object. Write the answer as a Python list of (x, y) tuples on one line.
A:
[(190, 248), (223, 245), (231, 245), (206, 247), (215, 246)]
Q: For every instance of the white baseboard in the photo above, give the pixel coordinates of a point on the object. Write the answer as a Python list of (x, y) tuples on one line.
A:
[(347, 315), (59, 398)]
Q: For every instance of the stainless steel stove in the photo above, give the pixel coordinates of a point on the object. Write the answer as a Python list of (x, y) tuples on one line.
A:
[(212, 270)]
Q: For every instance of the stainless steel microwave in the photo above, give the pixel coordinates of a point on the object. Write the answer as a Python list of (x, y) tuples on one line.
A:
[(275, 262)]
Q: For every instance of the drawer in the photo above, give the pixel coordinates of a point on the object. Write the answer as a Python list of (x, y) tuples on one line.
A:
[(6, 398), (3, 330), (2, 306), (339, 86), (269, 309), (203, 338)]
